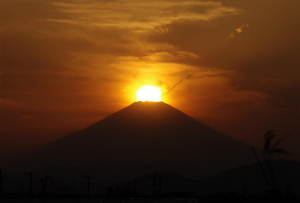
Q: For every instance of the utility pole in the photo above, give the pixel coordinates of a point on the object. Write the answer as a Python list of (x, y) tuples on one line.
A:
[(159, 185), (42, 188), (134, 186), (30, 182), (156, 190), (88, 182), (154, 183), (44, 184)]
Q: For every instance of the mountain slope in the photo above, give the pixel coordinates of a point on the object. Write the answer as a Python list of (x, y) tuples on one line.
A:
[(142, 133)]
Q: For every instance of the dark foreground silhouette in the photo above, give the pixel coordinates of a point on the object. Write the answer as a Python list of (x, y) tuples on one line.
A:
[(241, 184)]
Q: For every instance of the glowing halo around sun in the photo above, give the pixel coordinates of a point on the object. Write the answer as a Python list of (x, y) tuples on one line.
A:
[(148, 93)]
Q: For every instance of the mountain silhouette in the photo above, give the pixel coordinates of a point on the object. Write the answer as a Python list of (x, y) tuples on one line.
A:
[(142, 133)]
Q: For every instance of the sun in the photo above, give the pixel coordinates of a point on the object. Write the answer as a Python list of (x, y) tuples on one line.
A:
[(148, 93)]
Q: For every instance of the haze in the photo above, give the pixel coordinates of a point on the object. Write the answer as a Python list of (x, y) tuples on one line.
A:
[(68, 64)]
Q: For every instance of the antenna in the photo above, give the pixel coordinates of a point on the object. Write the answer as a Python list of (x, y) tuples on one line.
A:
[(30, 182)]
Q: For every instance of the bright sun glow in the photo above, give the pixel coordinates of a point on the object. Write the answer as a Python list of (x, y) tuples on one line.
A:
[(148, 93)]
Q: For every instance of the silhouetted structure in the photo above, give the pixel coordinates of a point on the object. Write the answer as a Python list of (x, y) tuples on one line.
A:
[(156, 190), (30, 181), (88, 184)]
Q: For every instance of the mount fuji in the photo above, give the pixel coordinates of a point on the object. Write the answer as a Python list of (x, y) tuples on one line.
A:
[(142, 133)]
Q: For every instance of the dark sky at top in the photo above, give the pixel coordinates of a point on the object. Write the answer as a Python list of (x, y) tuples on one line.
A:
[(67, 64)]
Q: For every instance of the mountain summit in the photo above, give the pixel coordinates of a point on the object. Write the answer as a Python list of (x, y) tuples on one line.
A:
[(142, 133)]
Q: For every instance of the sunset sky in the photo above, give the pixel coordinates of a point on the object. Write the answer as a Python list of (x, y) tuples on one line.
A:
[(65, 65)]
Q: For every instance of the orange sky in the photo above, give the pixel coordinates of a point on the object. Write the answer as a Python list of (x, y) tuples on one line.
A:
[(67, 64)]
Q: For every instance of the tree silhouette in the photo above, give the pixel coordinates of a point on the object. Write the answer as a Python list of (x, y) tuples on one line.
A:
[(271, 147)]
